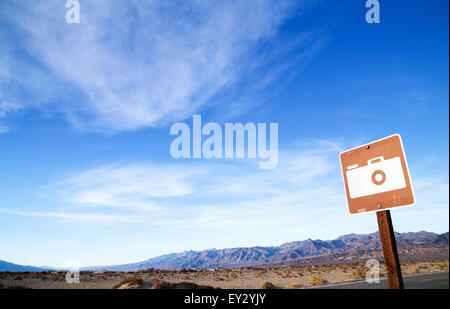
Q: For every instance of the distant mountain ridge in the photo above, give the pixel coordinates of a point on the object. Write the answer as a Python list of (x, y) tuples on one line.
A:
[(6, 266), (351, 245), (346, 248)]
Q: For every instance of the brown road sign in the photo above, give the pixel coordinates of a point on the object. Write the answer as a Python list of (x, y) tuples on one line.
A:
[(376, 176)]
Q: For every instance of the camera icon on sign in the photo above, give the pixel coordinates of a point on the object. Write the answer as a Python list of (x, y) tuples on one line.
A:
[(377, 176)]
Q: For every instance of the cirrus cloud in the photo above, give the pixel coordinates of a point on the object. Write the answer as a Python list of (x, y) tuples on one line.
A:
[(136, 64)]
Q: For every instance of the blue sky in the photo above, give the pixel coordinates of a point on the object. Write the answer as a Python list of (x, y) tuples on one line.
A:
[(85, 112)]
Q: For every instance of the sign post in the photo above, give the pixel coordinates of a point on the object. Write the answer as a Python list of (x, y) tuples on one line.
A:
[(390, 253), (376, 178)]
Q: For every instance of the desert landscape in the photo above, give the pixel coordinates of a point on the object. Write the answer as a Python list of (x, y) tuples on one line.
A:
[(231, 278), (291, 265)]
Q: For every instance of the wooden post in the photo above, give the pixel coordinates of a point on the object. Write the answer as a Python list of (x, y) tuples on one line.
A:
[(390, 253)]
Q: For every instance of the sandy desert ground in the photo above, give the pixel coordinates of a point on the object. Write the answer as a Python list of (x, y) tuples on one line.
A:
[(288, 277)]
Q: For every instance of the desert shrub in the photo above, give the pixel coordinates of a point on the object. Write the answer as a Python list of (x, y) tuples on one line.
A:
[(415, 270), (133, 281), (266, 285), (359, 273), (443, 267), (162, 285), (316, 280)]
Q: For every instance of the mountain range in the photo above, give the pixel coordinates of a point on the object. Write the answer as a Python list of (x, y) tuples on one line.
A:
[(347, 248), (344, 249)]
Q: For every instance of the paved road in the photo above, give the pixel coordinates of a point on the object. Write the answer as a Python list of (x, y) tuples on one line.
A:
[(421, 281)]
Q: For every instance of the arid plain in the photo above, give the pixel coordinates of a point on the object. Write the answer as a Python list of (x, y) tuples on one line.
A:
[(240, 278)]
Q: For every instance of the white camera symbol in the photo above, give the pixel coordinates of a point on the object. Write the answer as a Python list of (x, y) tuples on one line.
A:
[(377, 176)]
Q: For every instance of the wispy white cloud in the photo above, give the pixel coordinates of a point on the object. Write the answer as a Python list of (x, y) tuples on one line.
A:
[(235, 202), (79, 217), (127, 186), (133, 64), (208, 194), (6, 107), (3, 128)]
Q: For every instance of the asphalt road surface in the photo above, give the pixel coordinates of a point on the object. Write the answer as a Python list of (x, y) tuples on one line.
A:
[(421, 281)]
